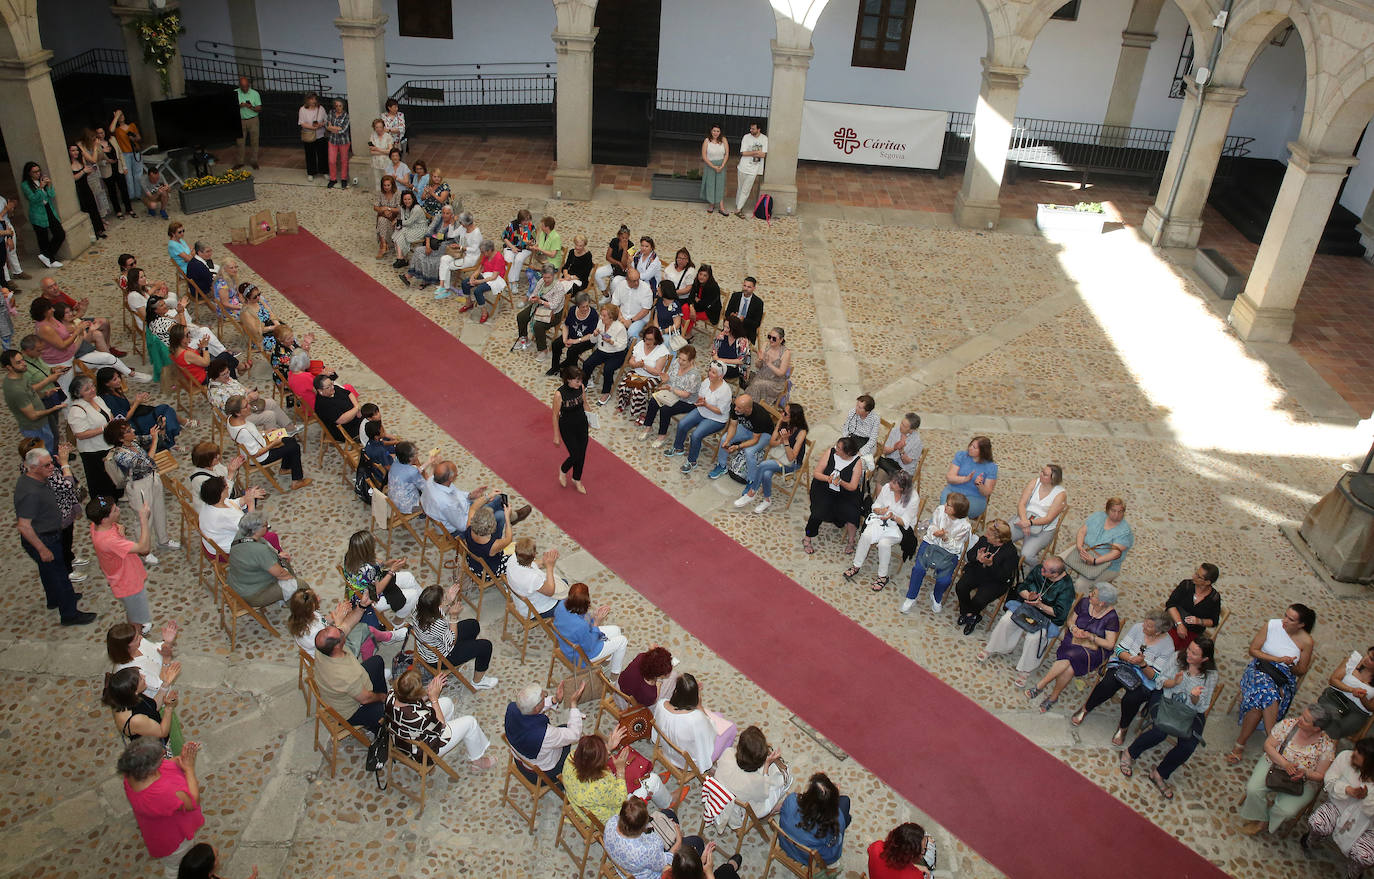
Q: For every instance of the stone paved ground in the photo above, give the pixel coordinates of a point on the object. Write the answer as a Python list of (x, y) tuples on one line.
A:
[(1095, 355)]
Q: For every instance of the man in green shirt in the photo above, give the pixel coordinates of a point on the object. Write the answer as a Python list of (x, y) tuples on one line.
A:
[(250, 105), (24, 402)]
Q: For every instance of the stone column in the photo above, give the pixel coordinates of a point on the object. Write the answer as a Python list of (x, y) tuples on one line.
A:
[(785, 101), (1264, 312), (243, 30), (573, 178), (364, 53), (33, 133), (1130, 69), (976, 205), (146, 81), (1185, 222)]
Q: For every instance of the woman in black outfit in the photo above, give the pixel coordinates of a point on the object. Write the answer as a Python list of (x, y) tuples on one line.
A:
[(84, 176), (579, 335), (570, 425), (989, 570), (703, 300), (579, 263), (135, 712)]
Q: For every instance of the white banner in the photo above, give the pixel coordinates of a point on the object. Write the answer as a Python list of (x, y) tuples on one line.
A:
[(864, 135)]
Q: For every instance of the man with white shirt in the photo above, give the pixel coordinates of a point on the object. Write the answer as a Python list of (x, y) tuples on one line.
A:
[(532, 734), (464, 255), (533, 576), (635, 299), (753, 147)]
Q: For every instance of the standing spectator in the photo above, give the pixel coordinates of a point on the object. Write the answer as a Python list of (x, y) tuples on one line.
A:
[(310, 118), (130, 142), (395, 123), (144, 484), (356, 690), (37, 188), (340, 143), (570, 425), (112, 170), (9, 241), (24, 402), (816, 818), (83, 175), (753, 147), (715, 152), (379, 148), (65, 486), (40, 531), (121, 560), (165, 798), (250, 105)]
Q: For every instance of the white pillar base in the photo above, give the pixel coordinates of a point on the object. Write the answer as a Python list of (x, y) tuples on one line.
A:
[(976, 214), (1178, 232), (574, 184), (1255, 324)]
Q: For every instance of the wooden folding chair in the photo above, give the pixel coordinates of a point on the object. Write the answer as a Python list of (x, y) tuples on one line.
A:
[(305, 677), (665, 748), (218, 560), (394, 517), (423, 766), (812, 867), (337, 726), (251, 342), (588, 830), (84, 369), (340, 446), (623, 709), (1235, 700), (195, 393), (433, 669), (197, 296), (583, 667), (537, 789), (790, 481), (437, 538), (178, 278), (1221, 621), (133, 326), (190, 522), (483, 578), (519, 609)]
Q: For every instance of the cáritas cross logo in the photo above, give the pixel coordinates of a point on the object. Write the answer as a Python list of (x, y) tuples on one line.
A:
[(846, 140)]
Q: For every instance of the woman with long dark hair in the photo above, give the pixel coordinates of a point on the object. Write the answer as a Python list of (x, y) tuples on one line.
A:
[(38, 191), (702, 301), (816, 818), (715, 151), (1280, 652), (1193, 683), (907, 853), (439, 634)]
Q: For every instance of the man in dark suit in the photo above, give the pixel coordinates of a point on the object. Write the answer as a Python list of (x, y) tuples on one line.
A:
[(200, 269), (748, 308)]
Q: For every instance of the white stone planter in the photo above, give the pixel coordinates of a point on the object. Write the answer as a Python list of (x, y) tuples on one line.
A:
[(1063, 218)]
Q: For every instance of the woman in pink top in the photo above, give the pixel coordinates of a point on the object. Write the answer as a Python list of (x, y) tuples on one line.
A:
[(61, 340), (165, 798), (490, 278), (121, 559)]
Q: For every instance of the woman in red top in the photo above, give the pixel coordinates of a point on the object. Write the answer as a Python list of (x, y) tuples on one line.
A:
[(165, 798), (194, 360), (490, 278), (907, 853)]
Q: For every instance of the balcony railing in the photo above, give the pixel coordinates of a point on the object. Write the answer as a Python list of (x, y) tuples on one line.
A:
[(681, 114), (481, 101)]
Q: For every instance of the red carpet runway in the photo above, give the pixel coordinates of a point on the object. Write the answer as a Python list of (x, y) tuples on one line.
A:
[(1017, 806)]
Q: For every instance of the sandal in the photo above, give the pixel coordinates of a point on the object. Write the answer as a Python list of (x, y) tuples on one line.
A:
[(1161, 784), (1235, 756), (1125, 764), (880, 583), (807, 545), (850, 572), (1079, 717), (983, 656), (1032, 693), (1021, 678), (1047, 705), (1120, 738)]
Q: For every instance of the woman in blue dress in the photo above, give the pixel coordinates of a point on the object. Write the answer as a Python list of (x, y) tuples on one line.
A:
[(973, 474)]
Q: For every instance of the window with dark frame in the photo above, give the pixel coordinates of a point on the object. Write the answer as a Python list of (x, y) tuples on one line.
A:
[(425, 18), (1067, 12), (882, 34)]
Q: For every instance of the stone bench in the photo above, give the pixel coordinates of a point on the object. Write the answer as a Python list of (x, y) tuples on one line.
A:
[(1218, 273)]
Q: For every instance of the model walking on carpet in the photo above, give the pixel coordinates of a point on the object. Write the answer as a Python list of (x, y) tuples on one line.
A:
[(570, 427)]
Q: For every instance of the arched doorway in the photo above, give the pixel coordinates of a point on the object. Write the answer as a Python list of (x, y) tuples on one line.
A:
[(624, 81)]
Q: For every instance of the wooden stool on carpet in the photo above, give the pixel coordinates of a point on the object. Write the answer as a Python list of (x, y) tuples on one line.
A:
[(812, 867), (588, 830), (423, 766), (338, 728), (541, 786)]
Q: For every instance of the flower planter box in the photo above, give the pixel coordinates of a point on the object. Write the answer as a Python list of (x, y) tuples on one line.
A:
[(669, 188), (207, 198), (1064, 218)]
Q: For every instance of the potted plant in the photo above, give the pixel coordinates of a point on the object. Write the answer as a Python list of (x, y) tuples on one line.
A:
[(677, 187), (215, 191), (1086, 216)]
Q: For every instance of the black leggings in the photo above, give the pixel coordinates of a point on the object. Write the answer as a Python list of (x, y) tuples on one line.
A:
[(289, 453), (665, 413), (86, 199), (609, 363), (469, 646), (575, 439), (317, 154), (574, 352), (975, 597), (50, 239), (1131, 700), (118, 192)]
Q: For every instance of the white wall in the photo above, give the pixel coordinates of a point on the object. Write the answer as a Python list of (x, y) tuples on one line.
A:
[(99, 29), (1271, 111), (717, 46), (1072, 64)]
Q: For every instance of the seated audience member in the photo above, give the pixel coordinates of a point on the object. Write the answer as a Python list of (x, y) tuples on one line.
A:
[(355, 689), (287, 347), (369, 413), (1147, 652), (645, 261), (634, 846), (835, 493), (907, 853), (306, 621), (337, 409), (191, 357), (578, 265), (683, 379), (424, 259), (746, 432), (816, 818), (902, 448), (1101, 544), (755, 774), (533, 736), (435, 194), (1280, 651), (164, 795), (667, 316), (594, 781), (772, 367), (452, 507), (945, 541), (702, 302), (391, 588), (611, 345), (127, 648), (580, 333), (712, 406), (1194, 605), (634, 297), (533, 577), (257, 571), (517, 241), (1037, 513), (547, 250), (644, 370), (178, 250), (893, 516), (973, 474), (1048, 589), (375, 448), (220, 514), (208, 461), (731, 347), (1191, 682), (696, 859), (200, 269), (77, 308), (748, 307), (139, 290), (649, 677), (137, 714), (264, 413), (410, 230), (489, 280), (418, 713), (1298, 747), (387, 208), (1345, 816), (543, 309), (990, 567), (787, 450), (864, 425), (1091, 638), (281, 448), (156, 193), (682, 718), (143, 485), (139, 411), (58, 339), (405, 481), (617, 259), (439, 632), (122, 560), (578, 625), (226, 290), (1349, 695)]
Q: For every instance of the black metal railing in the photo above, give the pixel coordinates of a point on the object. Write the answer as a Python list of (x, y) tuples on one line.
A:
[(282, 89), (682, 114), (1178, 87), (484, 101), (98, 62), (1084, 147)]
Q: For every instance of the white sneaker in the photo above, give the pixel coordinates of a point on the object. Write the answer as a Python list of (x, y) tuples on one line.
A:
[(908, 604), (310, 177), (744, 500), (140, 377), (658, 443), (172, 544), (936, 606), (764, 505), (77, 578), (147, 627), (44, 260), (81, 562), (485, 683), (150, 559), (55, 264)]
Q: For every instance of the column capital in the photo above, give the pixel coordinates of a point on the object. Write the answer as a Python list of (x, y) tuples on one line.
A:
[(1216, 95), (1001, 76), (365, 28), (1138, 40), (1312, 163), (567, 43), (791, 56), (33, 66), (126, 14)]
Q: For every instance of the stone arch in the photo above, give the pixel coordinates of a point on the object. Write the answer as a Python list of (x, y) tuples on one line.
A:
[(19, 37), (796, 20), (1249, 31), (1333, 125)]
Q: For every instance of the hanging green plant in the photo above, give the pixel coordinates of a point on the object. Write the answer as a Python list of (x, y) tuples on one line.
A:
[(158, 34)]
